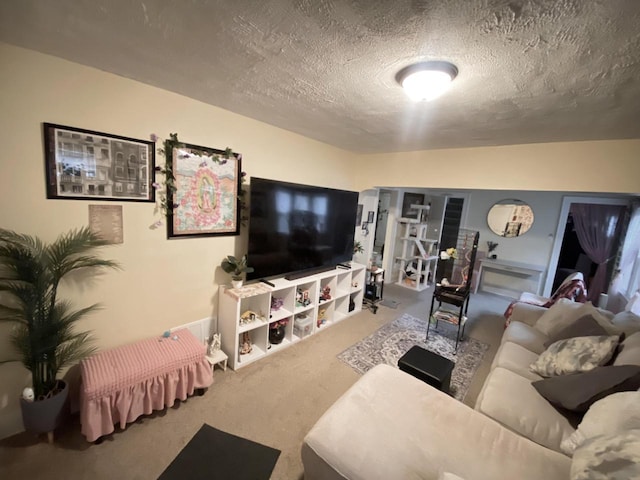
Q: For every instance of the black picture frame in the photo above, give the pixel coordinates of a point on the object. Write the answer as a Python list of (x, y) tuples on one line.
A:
[(206, 200), (370, 216), (85, 164)]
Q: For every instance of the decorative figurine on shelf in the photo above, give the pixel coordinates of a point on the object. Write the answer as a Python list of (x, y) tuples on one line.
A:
[(246, 345), (322, 313), (302, 298), (276, 304), (354, 284), (248, 317), (326, 293), (214, 343)]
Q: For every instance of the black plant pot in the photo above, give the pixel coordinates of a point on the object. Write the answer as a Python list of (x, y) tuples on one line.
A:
[(276, 335), (46, 415)]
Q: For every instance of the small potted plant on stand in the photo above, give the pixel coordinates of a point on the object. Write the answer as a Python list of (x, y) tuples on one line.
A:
[(236, 267), (44, 334), (491, 246)]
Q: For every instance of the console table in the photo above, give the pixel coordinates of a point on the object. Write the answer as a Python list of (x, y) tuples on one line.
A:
[(515, 270)]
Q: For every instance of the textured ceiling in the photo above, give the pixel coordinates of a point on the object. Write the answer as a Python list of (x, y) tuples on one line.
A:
[(530, 71)]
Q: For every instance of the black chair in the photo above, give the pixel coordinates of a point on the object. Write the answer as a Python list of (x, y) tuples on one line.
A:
[(456, 294)]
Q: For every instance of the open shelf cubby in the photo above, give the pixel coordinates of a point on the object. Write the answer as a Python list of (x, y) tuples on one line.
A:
[(286, 300)]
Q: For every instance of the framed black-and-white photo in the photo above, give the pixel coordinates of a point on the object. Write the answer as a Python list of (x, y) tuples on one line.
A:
[(370, 216), (87, 165)]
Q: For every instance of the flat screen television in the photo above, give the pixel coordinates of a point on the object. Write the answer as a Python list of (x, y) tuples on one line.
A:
[(297, 230)]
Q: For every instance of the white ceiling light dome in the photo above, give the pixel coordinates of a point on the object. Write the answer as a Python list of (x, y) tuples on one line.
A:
[(426, 80)]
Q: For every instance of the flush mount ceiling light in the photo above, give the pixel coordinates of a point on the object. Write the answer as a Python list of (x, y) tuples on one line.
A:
[(426, 80)]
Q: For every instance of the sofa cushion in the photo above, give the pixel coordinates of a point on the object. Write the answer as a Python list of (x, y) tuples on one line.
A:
[(449, 476), (390, 425), (628, 322), (564, 312), (558, 316), (526, 336), (516, 358), (608, 457), (511, 400), (574, 355), (610, 415), (582, 327), (629, 351), (579, 391)]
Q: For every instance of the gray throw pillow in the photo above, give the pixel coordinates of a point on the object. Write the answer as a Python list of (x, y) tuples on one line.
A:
[(579, 391), (608, 457), (573, 355), (585, 326)]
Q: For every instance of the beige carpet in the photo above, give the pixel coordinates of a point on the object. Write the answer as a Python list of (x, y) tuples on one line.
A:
[(274, 402)]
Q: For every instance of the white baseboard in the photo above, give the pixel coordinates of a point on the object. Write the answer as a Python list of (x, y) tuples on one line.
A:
[(201, 329)]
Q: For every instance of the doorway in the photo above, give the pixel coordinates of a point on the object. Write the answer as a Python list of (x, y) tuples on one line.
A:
[(382, 221), (573, 258), (570, 251)]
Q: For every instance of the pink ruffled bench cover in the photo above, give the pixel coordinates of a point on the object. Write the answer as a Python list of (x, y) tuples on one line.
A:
[(120, 384)]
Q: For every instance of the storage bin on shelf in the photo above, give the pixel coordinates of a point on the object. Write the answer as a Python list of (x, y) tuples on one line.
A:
[(302, 325)]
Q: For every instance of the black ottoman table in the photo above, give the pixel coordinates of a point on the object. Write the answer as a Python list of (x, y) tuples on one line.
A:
[(427, 366)]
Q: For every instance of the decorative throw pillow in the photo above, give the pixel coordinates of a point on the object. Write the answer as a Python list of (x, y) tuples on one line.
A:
[(585, 326), (628, 322), (608, 457), (579, 391), (574, 355), (629, 351), (610, 415)]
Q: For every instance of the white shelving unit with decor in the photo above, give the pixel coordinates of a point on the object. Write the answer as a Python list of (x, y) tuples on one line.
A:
[(245, 314), (418, 254)]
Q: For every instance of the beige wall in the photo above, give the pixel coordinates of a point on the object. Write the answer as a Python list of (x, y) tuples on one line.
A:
[(604, 166), (163, 283)]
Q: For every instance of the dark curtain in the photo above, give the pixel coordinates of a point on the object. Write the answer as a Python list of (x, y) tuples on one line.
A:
[(598, 228)]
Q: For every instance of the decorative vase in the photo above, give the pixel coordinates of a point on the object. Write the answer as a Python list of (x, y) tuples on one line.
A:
[(276, 335), (46, 415), (236, 283)]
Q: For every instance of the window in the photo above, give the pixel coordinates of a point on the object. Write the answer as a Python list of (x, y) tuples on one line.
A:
[(118, 187), (629, 261), (634, 277), (132, 173), (76, 188)]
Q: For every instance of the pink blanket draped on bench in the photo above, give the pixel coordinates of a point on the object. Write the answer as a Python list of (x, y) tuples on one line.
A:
[(120, 384)]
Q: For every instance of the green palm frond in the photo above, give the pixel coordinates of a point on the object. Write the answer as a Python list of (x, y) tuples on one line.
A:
[(44, 335)]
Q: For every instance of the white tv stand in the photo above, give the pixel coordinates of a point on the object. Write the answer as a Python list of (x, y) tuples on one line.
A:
[(347, 294)]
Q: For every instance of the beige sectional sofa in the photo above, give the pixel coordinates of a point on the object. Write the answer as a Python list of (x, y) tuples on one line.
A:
[(389, 425)]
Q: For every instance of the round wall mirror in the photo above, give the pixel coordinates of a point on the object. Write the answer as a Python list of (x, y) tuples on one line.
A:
[(510, 218)]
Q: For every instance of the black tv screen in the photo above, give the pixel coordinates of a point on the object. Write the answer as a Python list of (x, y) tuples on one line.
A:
[(297, 230)]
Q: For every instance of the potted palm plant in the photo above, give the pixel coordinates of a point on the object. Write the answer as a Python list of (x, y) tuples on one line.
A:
[(236, 267), (44, 334)]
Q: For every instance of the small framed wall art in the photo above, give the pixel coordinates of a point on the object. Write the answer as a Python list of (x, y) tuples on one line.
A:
[(88, 165), (206, 199)]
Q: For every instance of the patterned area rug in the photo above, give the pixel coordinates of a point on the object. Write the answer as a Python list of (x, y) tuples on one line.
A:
[(391, 341)]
